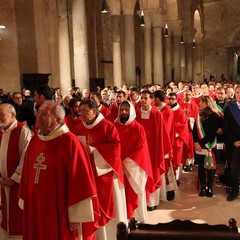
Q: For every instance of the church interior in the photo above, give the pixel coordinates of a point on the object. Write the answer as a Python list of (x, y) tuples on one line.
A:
[(90, 43), (116, 42)]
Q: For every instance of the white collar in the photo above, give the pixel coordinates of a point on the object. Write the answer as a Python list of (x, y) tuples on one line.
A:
[(163, 104), (176, 107), (11, 127), (99, 118), (56, 132)]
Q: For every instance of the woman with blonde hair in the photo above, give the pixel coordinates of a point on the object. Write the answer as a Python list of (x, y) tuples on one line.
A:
[(204, 135)]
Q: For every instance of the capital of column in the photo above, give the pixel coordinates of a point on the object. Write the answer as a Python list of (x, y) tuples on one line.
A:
[(153, 17), (115, 7), (128, 6), (176, 27), (157, 15)]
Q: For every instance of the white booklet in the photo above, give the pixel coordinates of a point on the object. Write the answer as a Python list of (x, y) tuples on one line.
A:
[(203, 152)]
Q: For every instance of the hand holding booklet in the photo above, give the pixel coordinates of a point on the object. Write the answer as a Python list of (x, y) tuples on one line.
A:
[(203, 152)]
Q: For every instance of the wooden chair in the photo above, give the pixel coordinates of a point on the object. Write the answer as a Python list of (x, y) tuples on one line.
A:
[(177, 230)]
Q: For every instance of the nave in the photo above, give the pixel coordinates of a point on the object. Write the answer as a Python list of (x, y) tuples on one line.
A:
[(187, 205)]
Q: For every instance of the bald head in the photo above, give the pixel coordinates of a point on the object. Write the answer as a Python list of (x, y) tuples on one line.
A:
[(187, 96)]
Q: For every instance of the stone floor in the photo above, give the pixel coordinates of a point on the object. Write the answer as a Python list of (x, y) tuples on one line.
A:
[(187, 205)]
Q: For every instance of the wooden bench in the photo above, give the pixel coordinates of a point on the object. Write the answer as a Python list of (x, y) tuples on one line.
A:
[(177, 230)]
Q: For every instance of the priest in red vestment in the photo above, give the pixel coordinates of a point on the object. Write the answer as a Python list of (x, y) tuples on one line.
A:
[(102, 142), (14, 139), (159, 144), (121, 96), (191, 110), (74, 117), (101, 107), (136, 161), (180, 132), (57, 190), (171, 184)]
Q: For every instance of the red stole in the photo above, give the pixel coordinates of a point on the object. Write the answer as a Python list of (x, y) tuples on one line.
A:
[(72, 123), (114, 111), (15, 213)]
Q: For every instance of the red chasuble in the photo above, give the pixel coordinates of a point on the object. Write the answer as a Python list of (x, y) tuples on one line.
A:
[(168, 118), (56, 176), (72, 123), (191, 110), (181, 129), (134, 146), (158, 142), (106, 113), (15, 212), (104, 137), (114, 111)]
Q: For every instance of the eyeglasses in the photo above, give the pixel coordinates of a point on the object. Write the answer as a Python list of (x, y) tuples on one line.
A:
[(172, 99), (20, 97)]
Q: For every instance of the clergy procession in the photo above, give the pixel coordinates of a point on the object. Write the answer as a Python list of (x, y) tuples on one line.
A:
[(74, 166)]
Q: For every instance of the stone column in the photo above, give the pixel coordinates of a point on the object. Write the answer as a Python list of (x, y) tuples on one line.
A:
[(64, 51), (198, 73), (13, 45), (157, 22), (177, 50), (147, 50), (47, 39), (183, 62), (80, 49), (117, 61), (189, 56), (129, 42), (129, 60), (168, 62)]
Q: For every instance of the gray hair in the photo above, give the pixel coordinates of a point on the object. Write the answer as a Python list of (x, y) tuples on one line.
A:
[(57, 109), (11, 108)]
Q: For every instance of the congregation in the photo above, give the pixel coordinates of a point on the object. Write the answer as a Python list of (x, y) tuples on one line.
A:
[(88, 160)]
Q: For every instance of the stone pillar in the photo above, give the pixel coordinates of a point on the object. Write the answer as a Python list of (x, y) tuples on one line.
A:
[(11, 46), (43, 60), (117, 61), (177, 50), (80, 49), (183, 63), (198, 73), (168, 62), (189, 57), (129, 43), (157, 22), (47, 39), (147, 50), (64, 51)]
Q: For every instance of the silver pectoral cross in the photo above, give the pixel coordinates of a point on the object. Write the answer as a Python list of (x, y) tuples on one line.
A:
[(39, 166)]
